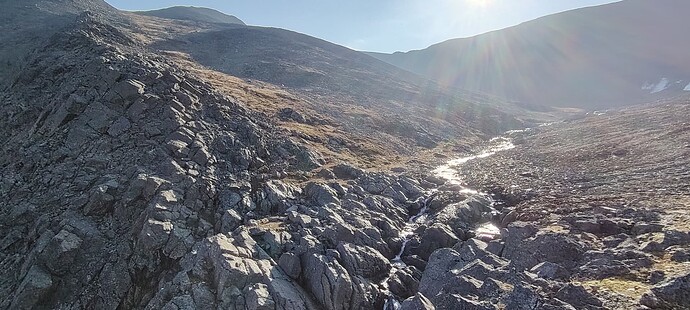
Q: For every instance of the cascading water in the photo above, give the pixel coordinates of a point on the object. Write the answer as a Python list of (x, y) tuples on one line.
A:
[(449, 172)]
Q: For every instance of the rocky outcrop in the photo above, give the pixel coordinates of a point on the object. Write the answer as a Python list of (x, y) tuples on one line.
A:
[(133, 178), (136, 183), (673, 293)]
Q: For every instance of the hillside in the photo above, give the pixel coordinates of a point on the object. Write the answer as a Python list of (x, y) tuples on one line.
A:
[(382, 107), (603, 199), (137, 177), (156, 163), (610, 55), (191, 13)]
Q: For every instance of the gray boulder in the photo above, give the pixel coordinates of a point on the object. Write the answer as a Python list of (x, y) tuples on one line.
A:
[(551, 271), (363, 261), (258, 297), (290, 263), (36, 284), (578, 297), (327, 281), (673, 293), (435, 237), (321, 194), (61, 252), (417, 302)]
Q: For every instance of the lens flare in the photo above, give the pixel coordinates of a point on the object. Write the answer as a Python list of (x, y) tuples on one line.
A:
[(479, 3)]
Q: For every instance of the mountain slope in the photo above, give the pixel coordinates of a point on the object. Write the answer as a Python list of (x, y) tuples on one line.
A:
[(137, 178), (26, 24), (614, 183), (193, 14), (132, 176), (362, 95), (616, 54)]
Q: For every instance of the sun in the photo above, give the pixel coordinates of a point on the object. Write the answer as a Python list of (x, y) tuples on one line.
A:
[(479, 3)]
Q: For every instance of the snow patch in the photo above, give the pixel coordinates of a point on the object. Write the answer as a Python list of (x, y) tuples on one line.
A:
[(663, 84)]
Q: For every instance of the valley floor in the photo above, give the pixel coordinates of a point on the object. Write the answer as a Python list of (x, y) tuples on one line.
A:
[(614, 188)]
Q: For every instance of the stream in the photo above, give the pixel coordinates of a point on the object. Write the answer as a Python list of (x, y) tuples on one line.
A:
[(450, 172)]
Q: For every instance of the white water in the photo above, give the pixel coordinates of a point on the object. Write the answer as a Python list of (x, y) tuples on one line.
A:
[(450, 172)]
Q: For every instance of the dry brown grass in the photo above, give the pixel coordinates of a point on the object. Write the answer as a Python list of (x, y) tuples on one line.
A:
[(365, 151), (631, 289)]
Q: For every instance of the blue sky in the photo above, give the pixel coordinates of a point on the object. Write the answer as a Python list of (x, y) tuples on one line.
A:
[(379, 25)]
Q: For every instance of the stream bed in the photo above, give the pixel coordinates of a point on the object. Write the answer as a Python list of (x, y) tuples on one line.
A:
[(451, 173)]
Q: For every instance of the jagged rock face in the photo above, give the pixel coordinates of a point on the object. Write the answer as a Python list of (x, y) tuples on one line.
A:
[(128, 181), (122, 175), (138, 185), (94, 200)]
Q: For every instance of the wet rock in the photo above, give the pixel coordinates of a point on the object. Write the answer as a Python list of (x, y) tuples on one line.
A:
[(404, 282), (417, 302), (435, 237)]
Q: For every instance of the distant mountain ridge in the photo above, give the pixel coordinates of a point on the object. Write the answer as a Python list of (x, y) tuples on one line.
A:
[(194, 14), (610, 55)]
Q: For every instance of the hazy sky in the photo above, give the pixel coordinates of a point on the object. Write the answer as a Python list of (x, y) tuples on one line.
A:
[(379, 25)]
